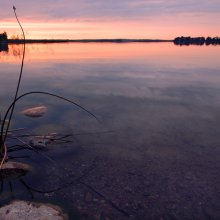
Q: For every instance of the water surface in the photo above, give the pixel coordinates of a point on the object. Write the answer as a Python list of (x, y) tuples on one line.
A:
[(155, 151)]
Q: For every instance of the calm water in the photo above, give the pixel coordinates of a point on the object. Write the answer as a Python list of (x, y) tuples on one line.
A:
[(154, 153)]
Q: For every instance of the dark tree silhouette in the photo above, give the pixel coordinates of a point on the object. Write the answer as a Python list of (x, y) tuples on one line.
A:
[(196, 41)]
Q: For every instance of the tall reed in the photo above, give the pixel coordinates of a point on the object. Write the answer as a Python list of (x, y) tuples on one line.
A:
[(10, 110)]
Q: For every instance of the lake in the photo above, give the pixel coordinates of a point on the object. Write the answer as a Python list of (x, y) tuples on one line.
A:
[(154, 151)]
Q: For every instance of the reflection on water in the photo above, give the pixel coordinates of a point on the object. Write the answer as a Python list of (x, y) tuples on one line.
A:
[(3, 47), (156, 151)]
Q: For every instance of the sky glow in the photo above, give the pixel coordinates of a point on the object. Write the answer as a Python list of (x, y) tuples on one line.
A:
[(89, 19)]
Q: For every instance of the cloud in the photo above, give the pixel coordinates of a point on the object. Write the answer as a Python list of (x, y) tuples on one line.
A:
[(99, 9)]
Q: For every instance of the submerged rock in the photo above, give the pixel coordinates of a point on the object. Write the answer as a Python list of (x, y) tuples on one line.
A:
[(40, 143), (45, 142), (35, 112), (13, 170), (20, 210)]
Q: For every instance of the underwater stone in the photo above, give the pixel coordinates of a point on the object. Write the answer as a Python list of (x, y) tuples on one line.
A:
[(35, 112), (39, 143), (16, 165), (12, 169), (20, 210)]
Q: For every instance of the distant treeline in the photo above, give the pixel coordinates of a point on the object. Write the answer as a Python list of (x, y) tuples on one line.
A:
[(20, 41), (3, 42), (3, 36), (17, 40), (196, 41)]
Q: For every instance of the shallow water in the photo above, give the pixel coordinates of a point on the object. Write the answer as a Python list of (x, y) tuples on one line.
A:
[(155, 150)]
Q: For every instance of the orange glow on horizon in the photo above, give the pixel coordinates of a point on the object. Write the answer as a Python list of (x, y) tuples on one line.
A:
[(70, 52), (161, 27), (78, 51), (108, 30)]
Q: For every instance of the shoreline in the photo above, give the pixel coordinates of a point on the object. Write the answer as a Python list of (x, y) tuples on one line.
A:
[(10, 41)]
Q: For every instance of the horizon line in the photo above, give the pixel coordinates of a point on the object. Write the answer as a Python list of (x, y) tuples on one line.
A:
[(117, 40)]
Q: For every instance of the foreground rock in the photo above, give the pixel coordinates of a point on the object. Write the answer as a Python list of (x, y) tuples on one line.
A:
[(35, 112), (23, 210)]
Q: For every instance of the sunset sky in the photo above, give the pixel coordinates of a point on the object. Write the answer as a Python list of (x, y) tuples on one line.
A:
[(89, 19)]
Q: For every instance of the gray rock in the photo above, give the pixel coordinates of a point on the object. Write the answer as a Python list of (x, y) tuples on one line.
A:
[(11, 169), (24, 210), (35, 112)]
